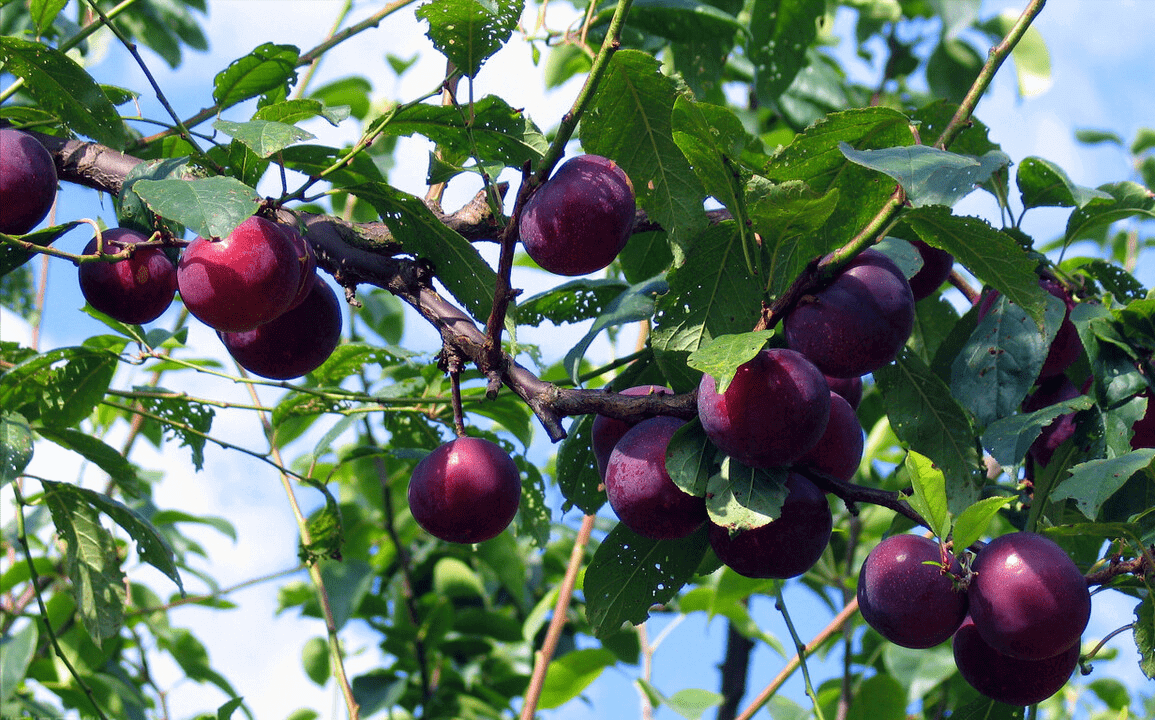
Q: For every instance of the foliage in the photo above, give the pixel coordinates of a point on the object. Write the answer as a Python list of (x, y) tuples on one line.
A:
[(737, 201)]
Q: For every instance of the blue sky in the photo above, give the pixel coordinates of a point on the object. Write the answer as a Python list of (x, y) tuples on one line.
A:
[(1102, 78)]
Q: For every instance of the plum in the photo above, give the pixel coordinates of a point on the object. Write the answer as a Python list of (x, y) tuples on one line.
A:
[(1027, 598), (1143, 431), (773, 412), (839, 450), (307, 259), (136, 290), (606, 431), (580, 219), (27, 182), (465, 491), (785, 547), (936, 267), (909, 601), (294, 343), (241, 281), (639, 487), (858, 322), (1050, 391), (1009, 680), (849, 388)]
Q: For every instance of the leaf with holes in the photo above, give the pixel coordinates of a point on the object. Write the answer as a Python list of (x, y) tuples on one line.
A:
[(469, 32)]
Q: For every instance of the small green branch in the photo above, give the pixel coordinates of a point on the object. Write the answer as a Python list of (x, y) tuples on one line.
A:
[(780, 605), (34, 578)]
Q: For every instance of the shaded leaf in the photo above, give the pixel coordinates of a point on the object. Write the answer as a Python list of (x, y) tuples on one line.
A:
[(787, 218), (928, 175), (577, 473), (690, 458), (634, 304), (15, 446), (210, 207), (1093, 482), (16, 652), (264, 137), (1009, 438), (1042, 183), (740, 497), (780, 30), (99, 453)]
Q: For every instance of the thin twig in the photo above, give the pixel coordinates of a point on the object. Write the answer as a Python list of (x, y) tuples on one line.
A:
[(780, 605)]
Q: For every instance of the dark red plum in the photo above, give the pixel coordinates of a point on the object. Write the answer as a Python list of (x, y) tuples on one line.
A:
[(307, 262), (1143, 431), (908, 601), (294, 343), (785, 547), (465, 491), (1010, 680), (849, 388), (27, 182), (1050, 391), (1028, 598), (640, 490), (859, 322), (936, 267), (839, 450), (136, 290), (606, 431), (241, 281), (773, 412), (580, 219)]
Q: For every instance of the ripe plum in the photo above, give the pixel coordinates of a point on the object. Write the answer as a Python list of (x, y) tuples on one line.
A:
[(136, 290), (606, 431), (27, 182), (1009, 680)]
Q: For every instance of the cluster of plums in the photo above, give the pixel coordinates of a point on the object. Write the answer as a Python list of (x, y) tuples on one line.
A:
[(1015, 628)]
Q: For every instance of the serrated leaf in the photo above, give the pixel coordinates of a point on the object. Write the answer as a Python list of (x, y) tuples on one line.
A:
[(1044, 184), (99, 453), (570, 302), (314, 159), (925, 416), (92, 561), (630, 573), (58, 388), (1093, 482), (787, 218), (721, 356), (780, 32), (928, 175), (210, 207), (1001, 360), (298, 109), (263, 137), (1009, 438), (189, 421), (629, 121), (132, 211), (15, 446), (929, 493), (577, 473), (740, 497), (973, 522), (266, 68), (61, 86), (468, 32), (689, 458), (993, 256), (458, 264), (636, 303), (703, 302), (490, 128)]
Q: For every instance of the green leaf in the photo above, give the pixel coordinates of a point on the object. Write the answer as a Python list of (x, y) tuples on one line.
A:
[(16, 652), (1127, 199), (788, 218), (780, 32), (298, 109), (99, 453), (701, 302), (630, 573), (929, 498), (12, 257), (1145, 635), (15, 447), (1090, 136), (352, 92), (635, 304), (315, 159), (132, 211), (1093, 482), (225, 712), (64, 88), (58, 388), (263, 137), (189, 421), (879, 697), (577, 473), (457, 263), (739, 497), (952, 69), (1032, 61), (973, 522), (92, 562), (151, 546), (468, 32), (928, 175), (689, 458), (315, 660), (1144, 141), (1044, 184), (721, 356), (993, 256), (210, 207), (1009, 438), (629, 121), (925, 416), (571, 673), (691, 703), (682, 20), (919, 670), (266, 68), (43, 13), (490, 128), (570, 302), (999, 364)]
